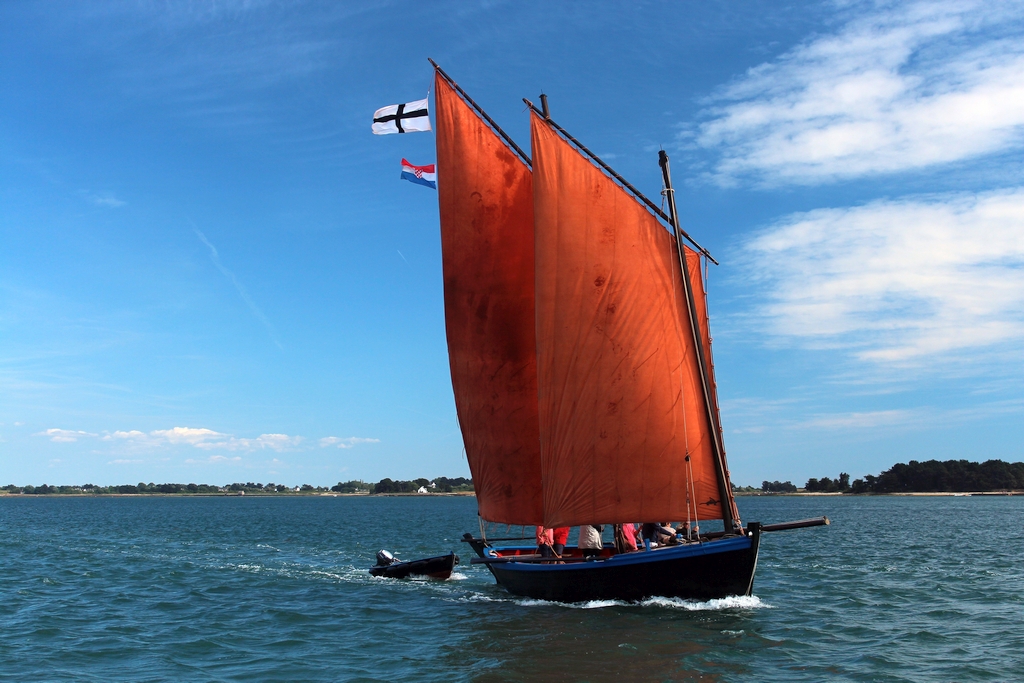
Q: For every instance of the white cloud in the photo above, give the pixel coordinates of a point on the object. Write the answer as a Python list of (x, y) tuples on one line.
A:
[(277, 442), (900, 89), (897, 281), (348, 442), (197, 437), (214, 459), (107, 200), (133, 435), (64, 435), (916, 417), (102, 199), (123, 462), (215, 257), (864, 420), (187, 435)]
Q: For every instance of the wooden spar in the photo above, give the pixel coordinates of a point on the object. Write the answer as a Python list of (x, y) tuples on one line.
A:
[(724, 488), (494, 540), (625, 183), (544, 106), (800, 524), (479, 110), (781, 526)]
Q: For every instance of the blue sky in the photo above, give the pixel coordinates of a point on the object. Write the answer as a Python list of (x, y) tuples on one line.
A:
[(210, 271)]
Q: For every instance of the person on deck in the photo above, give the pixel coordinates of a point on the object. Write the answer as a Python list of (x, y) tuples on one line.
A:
[(590, 543), (625, 538), (648, 535), (545, 542), (667, 534), (657, 534), (560, 538)]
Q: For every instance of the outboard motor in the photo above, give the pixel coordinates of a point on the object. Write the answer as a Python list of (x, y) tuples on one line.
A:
[(384, 558)]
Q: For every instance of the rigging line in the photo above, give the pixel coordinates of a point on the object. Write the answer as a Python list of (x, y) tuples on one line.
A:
[(688, 499), (696, 519), (479, 110), (625, 183)]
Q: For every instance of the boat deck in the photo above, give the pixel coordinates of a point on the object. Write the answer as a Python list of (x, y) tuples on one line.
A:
[(709, 569), (527, 557)]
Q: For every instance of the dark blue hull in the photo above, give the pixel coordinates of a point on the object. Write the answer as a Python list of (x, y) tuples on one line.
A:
[(713, 569)]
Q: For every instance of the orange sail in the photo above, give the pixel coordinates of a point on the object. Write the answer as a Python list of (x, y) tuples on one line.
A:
[(486, 203), (624, 427)]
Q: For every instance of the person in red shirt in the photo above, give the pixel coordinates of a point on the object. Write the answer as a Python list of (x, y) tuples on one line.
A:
[(561, 537), (625, 538)]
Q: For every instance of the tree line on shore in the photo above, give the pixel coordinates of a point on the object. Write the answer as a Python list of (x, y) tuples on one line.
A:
[(930, 476), (439, 485), (386, 485)]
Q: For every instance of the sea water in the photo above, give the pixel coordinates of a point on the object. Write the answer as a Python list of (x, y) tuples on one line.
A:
[(276, 589)]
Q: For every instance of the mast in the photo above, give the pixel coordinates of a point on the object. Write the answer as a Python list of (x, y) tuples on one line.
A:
[(716, 434)]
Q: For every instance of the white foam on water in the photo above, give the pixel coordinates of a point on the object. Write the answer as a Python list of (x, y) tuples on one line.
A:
[(330, 575), (301, 571), (589, 604), (716, 604), (731, 602), (479, 597)]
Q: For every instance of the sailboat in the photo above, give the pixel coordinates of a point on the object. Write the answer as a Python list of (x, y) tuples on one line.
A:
[(580, 352)]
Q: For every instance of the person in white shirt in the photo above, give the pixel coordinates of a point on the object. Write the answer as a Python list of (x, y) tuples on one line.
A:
[(590, 539)]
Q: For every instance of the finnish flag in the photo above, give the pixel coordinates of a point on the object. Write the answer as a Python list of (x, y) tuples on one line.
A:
[(410, 117)]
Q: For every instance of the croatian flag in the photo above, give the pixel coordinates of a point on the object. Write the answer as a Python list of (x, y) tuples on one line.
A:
[(423, 175)]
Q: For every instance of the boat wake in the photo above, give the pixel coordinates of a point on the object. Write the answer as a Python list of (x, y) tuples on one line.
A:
[(733, 602), (264, 546)]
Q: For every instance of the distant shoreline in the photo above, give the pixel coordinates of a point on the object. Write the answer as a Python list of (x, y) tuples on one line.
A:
[(952, 494), (321, 494), (233, 494)]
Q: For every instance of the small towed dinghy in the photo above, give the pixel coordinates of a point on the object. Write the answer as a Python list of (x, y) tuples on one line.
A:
[(391, 567)]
